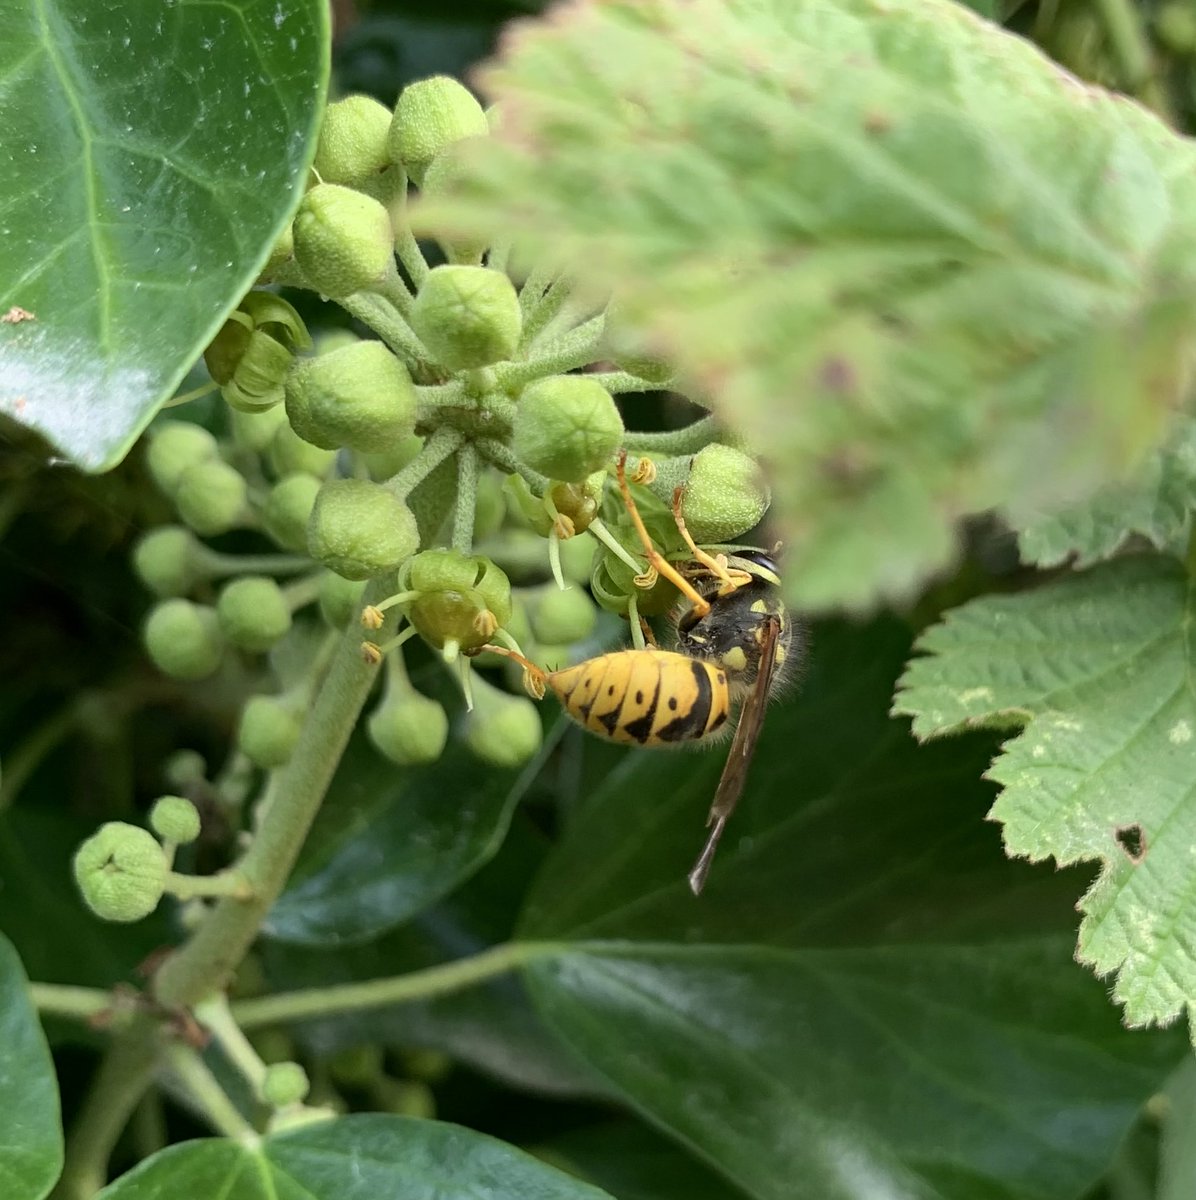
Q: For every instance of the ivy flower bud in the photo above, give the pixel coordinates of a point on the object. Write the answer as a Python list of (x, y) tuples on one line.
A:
[(502, 729), (285, 1083), (268, 731), (183, 639), (253, 613), (288, 509), (563, 617), (255, 430), (250, 355), (343, 240), (359, 529), (339, 599), (467, 316), (463, 598), (409, 730), (174, 447), (353, 137), (121, 871), (430, 115), (211, 497), (724, 496), (358, 395), (566, 427), (289, 454), (167, 560), (175, 819)]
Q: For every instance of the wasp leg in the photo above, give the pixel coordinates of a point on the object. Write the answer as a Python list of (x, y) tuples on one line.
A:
[(716, 565), (535, 679), (654, 556)]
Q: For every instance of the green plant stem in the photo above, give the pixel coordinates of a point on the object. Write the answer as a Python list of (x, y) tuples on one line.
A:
[(534, 286), (62, 1000), (396, 291), (202, 1086), (398, 989), (541, 310), (570, 351), (442, 444), (467, 499), (504, 459), (215, 564), (215, 1015), (499, 255), (223, 883), (293, 796), (387, 322), (122, 1079), (620, 382), (302, 592), (194, 394), (1132, 51), (689, 440), (406, 247)]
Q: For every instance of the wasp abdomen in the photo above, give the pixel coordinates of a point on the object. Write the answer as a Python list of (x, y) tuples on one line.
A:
[(649, 697)]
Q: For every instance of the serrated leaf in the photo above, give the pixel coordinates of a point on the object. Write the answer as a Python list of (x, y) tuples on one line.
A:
[(921, 267), (152, 155), (31, 1132), (1099, 669), (354, 1158), (867, 1000), (1155, 504)]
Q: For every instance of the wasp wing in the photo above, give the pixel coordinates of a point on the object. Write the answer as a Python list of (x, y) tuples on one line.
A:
[(743, 745)]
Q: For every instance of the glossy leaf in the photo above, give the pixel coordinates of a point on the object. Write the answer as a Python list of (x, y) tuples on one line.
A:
[(354, 1158), (31, 1132), (868, 999), (152, 155), (924, 270), (389, 841), (1098, 668)]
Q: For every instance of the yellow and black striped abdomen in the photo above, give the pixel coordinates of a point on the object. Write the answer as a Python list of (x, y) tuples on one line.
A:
[(646, 697)]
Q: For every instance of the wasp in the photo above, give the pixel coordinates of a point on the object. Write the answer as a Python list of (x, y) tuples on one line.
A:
[(733, 638)]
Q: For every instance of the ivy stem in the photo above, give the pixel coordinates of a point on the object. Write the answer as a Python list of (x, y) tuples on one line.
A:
[(387, 322), (689, 440), (406, 247), (196, 393), (570, 351), (541, 309), (467, 499), (215, 1015), (531, 294), (124, 1075), (441, 445), (397, 292), (620, 382), (223, 883), (292, 798), (397, 989), (504, 459), (63, 1000), (202, 1086)]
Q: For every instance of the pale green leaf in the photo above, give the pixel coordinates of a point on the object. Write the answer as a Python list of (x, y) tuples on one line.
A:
[(1098, 667), (923, 269), (1155, 504)]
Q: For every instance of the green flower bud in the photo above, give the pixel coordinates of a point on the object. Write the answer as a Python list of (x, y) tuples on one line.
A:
[(290, 454), (409, 730), (167, 560), (268, 732), (286, 1083), (253, 612), (563, 617), (174, 447), (430, 115), (183, 639), (359, 529), (463, 598), (352, 146), (442, 173), (566, 427), (211, 497), (255, 430), (343, 240), (184, 769), (175, 819), (121, 871), (358, 396), (725, 495), (394, 458), (467, 316), (444, 570), (288, 509), (502, 729), (340, 599)]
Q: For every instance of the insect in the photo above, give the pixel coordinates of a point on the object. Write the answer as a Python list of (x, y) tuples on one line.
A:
[(732, 636)]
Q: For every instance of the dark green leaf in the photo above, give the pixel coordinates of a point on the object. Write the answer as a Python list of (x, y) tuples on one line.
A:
[(152, 155), (868, 998), (31, 1131), (924, 270), (354, 1158)]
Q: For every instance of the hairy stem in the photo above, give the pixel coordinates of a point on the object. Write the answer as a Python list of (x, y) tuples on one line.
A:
[(204, 1089), (689, 440), (63, 1000), (467, 499), (443, 443), (620, 382), (572, 350), (387, 322), (375, 993), (504, 459)]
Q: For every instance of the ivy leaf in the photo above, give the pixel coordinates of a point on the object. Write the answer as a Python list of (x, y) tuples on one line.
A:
[(31, 1134), (149, 166), (1098, 667), (868, 997), (1156, 505), (354, 1158), (923, 269)]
